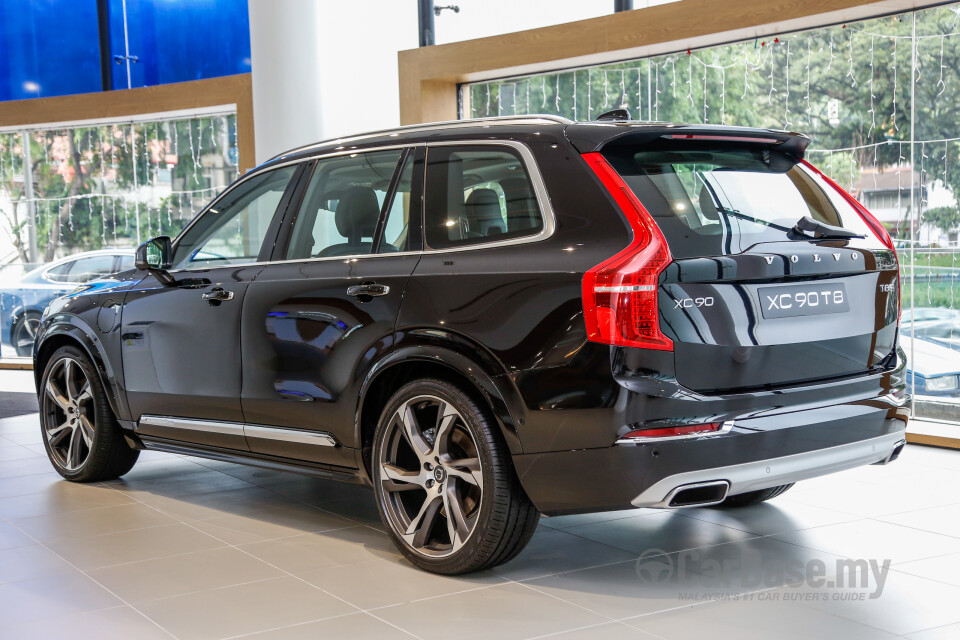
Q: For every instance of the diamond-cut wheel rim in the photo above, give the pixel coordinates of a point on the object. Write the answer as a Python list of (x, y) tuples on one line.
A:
[(68, 414), (431, 476)]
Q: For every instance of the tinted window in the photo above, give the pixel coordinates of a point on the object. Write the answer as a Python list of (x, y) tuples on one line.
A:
[(341, 207), (87, 269), (478, 194), (60, 273), (720, 200), (126, 262), (396, 229), (233, 230)]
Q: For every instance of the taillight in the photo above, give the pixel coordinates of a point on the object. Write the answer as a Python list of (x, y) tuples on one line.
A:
[(620, 293), (875, 225), (673, 432)]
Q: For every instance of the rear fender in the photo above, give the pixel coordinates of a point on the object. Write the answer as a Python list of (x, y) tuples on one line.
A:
[(479, 367)]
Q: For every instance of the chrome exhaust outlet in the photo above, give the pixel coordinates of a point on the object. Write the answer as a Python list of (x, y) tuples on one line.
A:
[(894, 453), (699, 494)]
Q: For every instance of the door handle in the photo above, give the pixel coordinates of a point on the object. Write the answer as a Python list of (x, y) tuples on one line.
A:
[(369, 289), (218, 294)]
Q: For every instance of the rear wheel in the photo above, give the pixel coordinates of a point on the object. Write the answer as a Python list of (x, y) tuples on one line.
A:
[(754, 497), (446, 488), (80, 433), (24, 333)]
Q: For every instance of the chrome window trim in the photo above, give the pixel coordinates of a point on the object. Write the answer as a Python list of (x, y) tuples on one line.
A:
[(539, 190), (258, 171), (526, 156)]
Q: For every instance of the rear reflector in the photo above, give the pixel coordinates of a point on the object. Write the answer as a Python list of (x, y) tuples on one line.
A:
[(672, 432), (620, 293)]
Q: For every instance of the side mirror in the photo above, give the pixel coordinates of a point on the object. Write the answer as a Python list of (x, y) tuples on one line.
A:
[(153, 255)]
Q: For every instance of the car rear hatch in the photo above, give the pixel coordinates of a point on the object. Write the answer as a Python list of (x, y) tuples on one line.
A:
[(748, 297)]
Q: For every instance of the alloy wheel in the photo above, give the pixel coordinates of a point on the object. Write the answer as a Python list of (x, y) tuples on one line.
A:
[(68, 414), (431, 476), (26, 334)]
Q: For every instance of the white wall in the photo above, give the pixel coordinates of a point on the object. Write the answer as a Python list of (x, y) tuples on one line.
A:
[(326, 68)]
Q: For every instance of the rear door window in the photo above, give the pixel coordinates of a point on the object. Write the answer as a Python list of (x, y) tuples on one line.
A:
[(342, 205), (478, 194), (718, 200)]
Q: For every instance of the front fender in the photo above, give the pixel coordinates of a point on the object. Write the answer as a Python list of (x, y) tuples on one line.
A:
[(470, 360)]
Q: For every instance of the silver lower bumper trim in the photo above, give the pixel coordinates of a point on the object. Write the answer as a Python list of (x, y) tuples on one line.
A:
[(763, 474)]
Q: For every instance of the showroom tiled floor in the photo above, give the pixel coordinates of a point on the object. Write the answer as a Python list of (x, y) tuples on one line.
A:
[(189, 548)]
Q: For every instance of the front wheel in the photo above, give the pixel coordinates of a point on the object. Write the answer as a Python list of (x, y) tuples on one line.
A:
[(80, 433), (446, 488)]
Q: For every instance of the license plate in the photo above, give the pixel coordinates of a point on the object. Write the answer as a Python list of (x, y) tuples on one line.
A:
[(803, 300)]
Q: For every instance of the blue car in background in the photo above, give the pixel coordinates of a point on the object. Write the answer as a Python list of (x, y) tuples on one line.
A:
[(935, 366), (22, 302)]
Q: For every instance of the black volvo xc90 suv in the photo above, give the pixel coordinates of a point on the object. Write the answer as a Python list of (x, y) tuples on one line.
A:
[(488, 320)]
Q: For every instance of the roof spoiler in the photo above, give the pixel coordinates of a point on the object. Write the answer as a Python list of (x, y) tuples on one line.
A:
[(594, 137)]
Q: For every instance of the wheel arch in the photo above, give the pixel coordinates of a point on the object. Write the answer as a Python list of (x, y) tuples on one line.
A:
[(74, 333), (446, 362)]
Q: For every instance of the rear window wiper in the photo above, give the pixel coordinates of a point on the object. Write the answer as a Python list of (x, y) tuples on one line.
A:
[(808, 228)]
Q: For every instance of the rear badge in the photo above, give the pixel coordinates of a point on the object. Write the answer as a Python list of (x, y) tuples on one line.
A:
[(802, 300)]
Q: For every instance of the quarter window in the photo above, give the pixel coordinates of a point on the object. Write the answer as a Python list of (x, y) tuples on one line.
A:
[(342, 204), (478, 194), (232, 231)]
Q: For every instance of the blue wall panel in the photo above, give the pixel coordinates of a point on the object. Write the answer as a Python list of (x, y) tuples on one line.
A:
[(179, 40), (49, 48)]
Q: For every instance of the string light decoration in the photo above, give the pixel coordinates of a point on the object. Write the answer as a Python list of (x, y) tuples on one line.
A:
[(851, 95), (92, 184)]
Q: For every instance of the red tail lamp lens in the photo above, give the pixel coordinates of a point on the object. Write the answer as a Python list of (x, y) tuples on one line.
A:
[(620, 294)]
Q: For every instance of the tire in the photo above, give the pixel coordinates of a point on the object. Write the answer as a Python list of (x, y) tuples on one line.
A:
[(80, 433), (24, 332), (754, 497), (459, 464)]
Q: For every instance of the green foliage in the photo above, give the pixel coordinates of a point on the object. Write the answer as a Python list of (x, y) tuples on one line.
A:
[(104, 186), (945, 219)]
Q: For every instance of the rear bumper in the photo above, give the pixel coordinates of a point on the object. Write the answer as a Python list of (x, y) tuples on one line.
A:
[(758, 452), (763, 474)]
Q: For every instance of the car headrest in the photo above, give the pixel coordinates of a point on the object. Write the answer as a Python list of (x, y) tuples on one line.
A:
[(482, 210), (707, 207), (357, 214)]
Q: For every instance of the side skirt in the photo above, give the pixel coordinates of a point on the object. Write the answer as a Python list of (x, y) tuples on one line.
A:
[(316, 470)]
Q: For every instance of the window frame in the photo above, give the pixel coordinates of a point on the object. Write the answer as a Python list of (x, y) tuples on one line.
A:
[(536, 182), (416, 150), (278, 234), (294, 186)]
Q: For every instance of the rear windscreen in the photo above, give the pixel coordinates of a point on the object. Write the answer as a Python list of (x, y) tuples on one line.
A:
[(712, 200)]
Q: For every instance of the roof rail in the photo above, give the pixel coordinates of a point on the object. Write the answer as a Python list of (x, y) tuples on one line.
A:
[(426, 126)]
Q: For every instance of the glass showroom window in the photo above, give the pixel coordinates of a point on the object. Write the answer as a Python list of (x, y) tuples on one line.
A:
[(849, 88), (98, 187)]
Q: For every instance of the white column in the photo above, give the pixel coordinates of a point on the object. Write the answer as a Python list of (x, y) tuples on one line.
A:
[(325, 68)]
